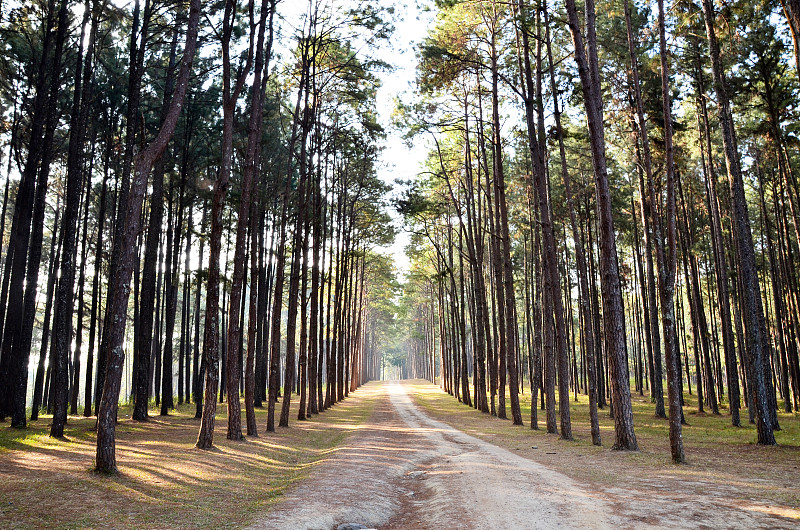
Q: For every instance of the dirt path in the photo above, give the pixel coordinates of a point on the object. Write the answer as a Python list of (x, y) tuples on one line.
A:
[(403, 469)]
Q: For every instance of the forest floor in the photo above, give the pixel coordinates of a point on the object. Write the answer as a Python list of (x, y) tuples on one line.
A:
[(164, 481), (402, 455), (422, 460), (727, 482)]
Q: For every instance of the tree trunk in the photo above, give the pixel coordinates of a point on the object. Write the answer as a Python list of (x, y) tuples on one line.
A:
[(131, 126), (55, 249), (580, 257), (652, 228), (106, 424), (199, 365), (148, 288), (753, 311), (613, 311), (720, 261), (62, 329)]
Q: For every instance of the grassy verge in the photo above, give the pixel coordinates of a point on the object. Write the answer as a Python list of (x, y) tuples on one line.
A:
[(164, 481), (720, 458)]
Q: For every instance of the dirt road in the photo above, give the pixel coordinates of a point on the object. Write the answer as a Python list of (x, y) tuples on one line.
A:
[(403, 469)]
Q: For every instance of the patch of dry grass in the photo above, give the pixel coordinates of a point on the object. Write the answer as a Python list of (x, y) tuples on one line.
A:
[(164, 481), (721, 460)]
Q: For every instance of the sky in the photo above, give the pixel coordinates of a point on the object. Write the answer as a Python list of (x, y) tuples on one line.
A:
[(399, 162)]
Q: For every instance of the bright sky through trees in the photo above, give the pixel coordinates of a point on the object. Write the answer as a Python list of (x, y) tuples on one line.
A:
[(399, 160)]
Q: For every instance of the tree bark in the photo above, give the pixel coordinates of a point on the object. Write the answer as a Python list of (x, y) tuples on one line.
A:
[(670, 261), (651, 226), (613, 311), (753, 311), (106, 422), (147, 291), (62, 328), (580, 256)]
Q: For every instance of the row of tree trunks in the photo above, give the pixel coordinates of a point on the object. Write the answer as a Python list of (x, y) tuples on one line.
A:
[(24, 251)]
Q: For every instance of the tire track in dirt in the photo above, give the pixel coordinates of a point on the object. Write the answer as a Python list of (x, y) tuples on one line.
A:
[(402, 469)]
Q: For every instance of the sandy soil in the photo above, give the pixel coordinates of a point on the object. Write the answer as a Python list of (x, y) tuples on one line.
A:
[(403, 469)]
